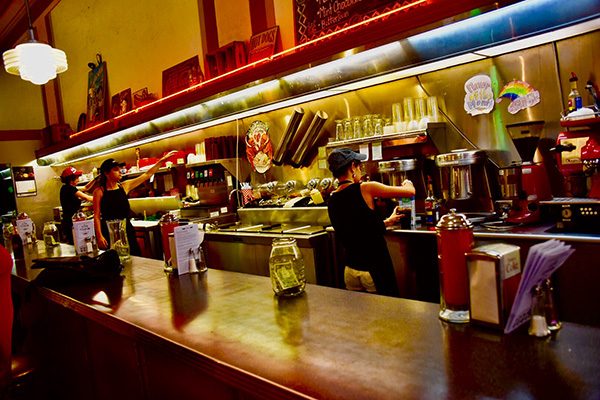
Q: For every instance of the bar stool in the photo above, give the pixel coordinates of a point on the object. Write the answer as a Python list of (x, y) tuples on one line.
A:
[(23, 384)]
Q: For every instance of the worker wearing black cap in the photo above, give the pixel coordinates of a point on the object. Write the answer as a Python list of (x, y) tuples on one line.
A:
[(111, 200), (360, 227), (70, 199)]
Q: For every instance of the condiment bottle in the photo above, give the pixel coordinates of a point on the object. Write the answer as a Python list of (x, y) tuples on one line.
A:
[(575, 102), (286, 267), (538, 325), (167, 223), (431, 206), (551, 312), (17, 245), (454, 238), (51, 234)]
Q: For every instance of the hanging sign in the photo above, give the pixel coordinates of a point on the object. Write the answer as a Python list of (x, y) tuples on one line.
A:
[(479, 97), (258, 147), (522, 95)]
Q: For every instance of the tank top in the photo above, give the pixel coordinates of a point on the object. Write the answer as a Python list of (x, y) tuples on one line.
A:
[(359, 228), (115, 205)]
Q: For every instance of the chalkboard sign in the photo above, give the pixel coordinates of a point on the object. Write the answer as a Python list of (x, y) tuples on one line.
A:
[(315, 18)]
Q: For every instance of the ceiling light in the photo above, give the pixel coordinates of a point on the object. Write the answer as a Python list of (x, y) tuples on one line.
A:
[(34, 61)]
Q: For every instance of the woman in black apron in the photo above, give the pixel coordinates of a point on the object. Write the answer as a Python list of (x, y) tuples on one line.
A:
[(111, 200)]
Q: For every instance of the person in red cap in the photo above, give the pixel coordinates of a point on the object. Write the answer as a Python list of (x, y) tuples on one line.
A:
[(360, 227), (71, 197), (111, 201)]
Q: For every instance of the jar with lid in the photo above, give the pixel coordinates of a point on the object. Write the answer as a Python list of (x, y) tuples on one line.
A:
[(167, 223), (454, 235), (51, 235), (286, 267)]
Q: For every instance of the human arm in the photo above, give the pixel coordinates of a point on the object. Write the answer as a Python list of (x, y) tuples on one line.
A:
[(133, 183), (84, 196), (102, 242), (394, 218), (371, 190), (88, 186)]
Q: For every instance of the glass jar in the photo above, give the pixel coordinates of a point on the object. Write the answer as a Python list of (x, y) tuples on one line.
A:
[(117, 229), (454, 235), (51, 235), (286, 267), (167, 223)]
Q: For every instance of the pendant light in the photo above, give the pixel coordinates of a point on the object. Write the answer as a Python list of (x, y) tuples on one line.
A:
[(34, 61)]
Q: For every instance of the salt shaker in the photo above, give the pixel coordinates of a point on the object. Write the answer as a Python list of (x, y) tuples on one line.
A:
[(551, 312), (538, 326)]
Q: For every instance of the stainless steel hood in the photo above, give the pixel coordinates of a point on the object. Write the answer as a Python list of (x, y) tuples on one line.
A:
[(520, 25)]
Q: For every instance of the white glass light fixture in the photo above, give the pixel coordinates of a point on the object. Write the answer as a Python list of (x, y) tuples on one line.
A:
[(34, 61)]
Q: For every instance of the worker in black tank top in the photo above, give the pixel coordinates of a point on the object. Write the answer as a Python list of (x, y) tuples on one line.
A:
[(360, 227), (111, 200)]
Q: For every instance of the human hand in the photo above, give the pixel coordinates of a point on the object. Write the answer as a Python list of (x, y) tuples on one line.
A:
[(102, 243), (394, 218), (168, 155), (407, 182)]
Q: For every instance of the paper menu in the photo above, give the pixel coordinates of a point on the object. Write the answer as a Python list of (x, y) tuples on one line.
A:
[(25, 226), (186, 237), (542, 260)]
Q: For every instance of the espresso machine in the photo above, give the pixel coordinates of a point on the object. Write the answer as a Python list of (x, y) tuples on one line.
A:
[(467, 182), (578, 160), (524, 184)]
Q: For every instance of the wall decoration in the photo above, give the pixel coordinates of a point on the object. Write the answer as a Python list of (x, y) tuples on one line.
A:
[(259, 149), (181, 76), (121, 103), (262, 45), (141, 97), (24, 181), (313, 19), (97, 94), (522, 94), (479, 97)]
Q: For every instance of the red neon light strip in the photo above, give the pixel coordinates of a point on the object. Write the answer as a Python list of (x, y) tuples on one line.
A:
[(261, 61)]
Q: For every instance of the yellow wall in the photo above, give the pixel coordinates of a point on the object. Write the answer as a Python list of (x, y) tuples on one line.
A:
[(138, 39), (233, 21), (21, 105)]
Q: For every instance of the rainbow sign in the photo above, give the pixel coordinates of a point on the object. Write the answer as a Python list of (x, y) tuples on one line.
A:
[(522, 94)]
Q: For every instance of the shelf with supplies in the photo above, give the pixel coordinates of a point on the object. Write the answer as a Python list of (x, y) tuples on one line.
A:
[(392, 139), (138, 173), (239, 167)]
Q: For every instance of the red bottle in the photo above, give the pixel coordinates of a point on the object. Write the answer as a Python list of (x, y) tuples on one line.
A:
[(454, 238)]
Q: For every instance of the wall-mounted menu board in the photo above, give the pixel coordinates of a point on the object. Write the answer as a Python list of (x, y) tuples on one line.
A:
[(24, 181), (315, 18)]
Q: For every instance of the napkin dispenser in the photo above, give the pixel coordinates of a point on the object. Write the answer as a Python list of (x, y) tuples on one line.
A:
[(494, 273)]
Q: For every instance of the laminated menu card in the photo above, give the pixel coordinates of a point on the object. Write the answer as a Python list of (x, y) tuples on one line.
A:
[(543, 259)]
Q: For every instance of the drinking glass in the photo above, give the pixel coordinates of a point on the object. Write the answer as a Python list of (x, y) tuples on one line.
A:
[(367, 126), (118, 238), (339, 130), (357, 128), (432, 109), (348, 134), (409, 114)]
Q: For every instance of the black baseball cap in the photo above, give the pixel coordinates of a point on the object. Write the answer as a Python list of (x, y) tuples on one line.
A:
[(109, 164), (341, 158)]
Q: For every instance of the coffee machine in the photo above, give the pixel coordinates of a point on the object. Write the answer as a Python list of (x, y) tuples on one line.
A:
[(524, 184), (578, 160), (467, 182)]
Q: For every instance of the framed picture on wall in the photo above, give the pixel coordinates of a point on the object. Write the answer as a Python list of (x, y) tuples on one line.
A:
[(97, 108), (141, 97), (24, 181), (181, 76), (121, 103)]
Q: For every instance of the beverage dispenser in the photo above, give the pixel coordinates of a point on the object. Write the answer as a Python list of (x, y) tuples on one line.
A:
[(465, 181), (394, 172), (525, 183)]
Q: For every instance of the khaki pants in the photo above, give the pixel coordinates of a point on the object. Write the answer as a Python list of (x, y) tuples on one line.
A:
[(358, 280)]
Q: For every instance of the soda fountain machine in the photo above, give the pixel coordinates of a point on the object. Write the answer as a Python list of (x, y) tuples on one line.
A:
[(525, 183)]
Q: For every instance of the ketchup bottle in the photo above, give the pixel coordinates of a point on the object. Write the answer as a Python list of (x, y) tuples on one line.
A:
[(454, 238)]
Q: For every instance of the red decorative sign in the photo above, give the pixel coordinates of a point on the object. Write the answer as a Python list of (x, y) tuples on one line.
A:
[(181, 76), (262, 45)]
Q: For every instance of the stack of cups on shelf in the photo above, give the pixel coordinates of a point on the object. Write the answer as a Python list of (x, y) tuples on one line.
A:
[(414, 114), (359, 127)]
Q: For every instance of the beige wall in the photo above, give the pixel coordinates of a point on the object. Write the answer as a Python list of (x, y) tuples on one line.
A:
[(233, 21)]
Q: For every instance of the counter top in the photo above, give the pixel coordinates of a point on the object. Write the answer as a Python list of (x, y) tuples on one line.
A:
[(330, 343), (530, 232)]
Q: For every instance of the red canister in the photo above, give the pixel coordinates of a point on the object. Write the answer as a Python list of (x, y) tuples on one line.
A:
[(454, 238), (167, 223)]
